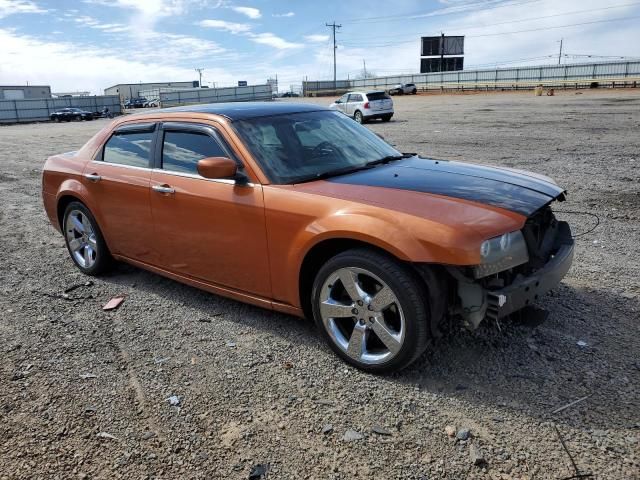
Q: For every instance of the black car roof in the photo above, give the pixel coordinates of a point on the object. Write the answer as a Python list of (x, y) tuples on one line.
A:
[(245, 110)]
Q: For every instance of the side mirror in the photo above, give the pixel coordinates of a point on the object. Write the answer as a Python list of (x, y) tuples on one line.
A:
[(217, 167), (338, 101)]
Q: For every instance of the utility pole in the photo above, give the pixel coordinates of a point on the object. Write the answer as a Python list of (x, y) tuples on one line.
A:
[(199, 70), (364, 67), (334, 26), (560, 54), (441, 50)]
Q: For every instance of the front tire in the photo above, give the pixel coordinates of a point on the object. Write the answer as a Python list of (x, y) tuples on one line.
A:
[(84, 240), (372, 310)]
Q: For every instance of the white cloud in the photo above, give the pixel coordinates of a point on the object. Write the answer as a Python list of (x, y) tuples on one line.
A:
[(317, 38), (226, 26), (250, 12), (11, 7), (274, 41), (69, 66), (288, 14)]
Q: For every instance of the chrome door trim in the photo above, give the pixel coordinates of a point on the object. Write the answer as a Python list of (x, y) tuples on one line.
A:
[(229, 181)]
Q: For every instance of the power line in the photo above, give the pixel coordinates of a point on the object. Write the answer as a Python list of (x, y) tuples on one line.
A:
[(438, 13), (390, 44), (574, 12)]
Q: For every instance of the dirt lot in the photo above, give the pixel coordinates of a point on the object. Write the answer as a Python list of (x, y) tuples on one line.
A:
[(84, 393)]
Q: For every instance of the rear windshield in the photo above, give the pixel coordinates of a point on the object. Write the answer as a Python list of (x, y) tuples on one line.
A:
[(377, 96)]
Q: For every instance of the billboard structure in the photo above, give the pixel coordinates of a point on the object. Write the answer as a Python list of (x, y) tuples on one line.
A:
[(436, 54)]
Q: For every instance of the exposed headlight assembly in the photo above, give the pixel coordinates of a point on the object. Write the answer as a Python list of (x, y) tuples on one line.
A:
[(501, 253)]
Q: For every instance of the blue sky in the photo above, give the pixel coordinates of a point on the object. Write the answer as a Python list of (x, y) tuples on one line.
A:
[(92, 44)]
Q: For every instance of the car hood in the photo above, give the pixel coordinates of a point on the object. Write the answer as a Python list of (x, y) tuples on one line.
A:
[(520, 192)]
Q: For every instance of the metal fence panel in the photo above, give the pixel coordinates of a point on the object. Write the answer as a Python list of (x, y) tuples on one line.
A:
[(215, 95), (39, 109), (581, 72)]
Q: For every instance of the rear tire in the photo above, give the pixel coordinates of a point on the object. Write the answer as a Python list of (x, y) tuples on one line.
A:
[(390, 308), (85, 241), (387, 118), (357, 116)]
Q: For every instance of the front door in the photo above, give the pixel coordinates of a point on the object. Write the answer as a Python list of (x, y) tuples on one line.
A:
[(118, 181), (351, 103), (208, 229)]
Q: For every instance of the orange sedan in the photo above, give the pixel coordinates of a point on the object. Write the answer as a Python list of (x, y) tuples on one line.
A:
[(300, 209)]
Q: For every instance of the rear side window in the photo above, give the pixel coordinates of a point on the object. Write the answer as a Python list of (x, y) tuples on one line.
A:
[(132, 149), (181, 151), (373, 96)]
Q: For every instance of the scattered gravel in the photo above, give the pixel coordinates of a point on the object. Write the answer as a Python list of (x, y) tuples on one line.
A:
[(501, 382)]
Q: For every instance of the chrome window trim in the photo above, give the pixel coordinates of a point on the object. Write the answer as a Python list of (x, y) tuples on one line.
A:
[(102, 162), (229, 181)]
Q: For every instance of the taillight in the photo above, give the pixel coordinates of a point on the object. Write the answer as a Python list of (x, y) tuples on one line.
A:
[(366, 104)]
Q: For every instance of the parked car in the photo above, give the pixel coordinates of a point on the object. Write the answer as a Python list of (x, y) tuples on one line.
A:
[(365, 106), (401, 89), (289, 94), (296, 208), (135, 102), (69, 114), (150, 103)]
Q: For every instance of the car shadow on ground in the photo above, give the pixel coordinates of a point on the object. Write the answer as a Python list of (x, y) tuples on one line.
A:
[(517, 365)]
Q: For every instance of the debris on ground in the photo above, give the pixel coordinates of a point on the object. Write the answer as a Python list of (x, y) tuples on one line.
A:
[(571, 404), (450, 430), (78, 285), (463, 434), (352, 435), (174, 400), (113, 303), (380, 430), (106, 435), (85, 376), (476, 455), (259, 471), (328, 428)]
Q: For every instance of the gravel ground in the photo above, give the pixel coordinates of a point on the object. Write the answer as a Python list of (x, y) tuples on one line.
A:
[(88, 394)]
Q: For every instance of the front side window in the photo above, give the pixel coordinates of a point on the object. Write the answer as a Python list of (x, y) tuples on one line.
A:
[(181, 151), (131, 148), (355, 98), (303, 146)]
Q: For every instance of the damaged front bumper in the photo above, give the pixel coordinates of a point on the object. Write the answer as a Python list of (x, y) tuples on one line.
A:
[(479, 302), (526, 290)]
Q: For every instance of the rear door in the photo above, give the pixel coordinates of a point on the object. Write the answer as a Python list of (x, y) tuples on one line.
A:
[(379, 101), (118, 182), (208, 229)]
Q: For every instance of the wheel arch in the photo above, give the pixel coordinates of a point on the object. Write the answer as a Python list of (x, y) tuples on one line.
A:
[(432, 277), (317, 255)]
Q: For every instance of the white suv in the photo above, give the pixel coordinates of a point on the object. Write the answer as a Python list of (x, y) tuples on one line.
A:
[(364, 106), (403, 89)]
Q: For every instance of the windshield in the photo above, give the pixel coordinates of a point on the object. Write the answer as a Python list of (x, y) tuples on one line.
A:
[(303, 146)]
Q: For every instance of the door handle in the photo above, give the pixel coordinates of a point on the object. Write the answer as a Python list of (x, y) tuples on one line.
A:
[(93, 177), (163, 189)]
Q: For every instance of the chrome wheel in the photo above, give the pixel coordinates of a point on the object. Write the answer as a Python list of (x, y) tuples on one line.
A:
[(358, 117), (81, 238), (362, 315)]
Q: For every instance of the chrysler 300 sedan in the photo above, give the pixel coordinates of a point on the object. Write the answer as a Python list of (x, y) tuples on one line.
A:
[(300, 209)]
